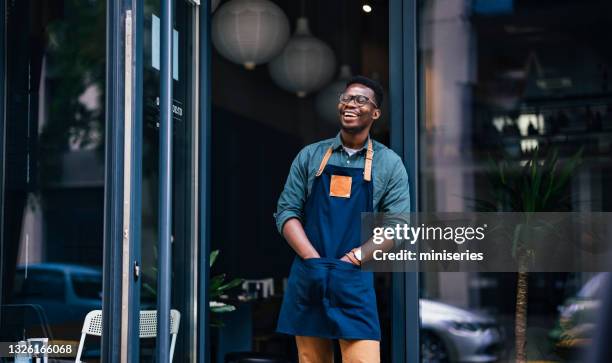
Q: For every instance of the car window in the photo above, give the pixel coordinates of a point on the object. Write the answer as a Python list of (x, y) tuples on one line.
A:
[(40, 284), (87, 286)]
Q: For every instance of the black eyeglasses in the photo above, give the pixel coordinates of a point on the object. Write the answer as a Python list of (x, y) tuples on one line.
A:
[(360, 100)]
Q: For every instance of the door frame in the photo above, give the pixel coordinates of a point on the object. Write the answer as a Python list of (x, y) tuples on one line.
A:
[(2, 130), (123, 173), (204, 122), (113, 190), (404, 141), (123, 208), (121, 283)]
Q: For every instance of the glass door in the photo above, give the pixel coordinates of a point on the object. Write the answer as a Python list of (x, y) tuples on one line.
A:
[(183, 252), (53, 166)]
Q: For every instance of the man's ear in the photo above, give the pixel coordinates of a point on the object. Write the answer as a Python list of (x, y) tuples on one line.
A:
[(376, 114)]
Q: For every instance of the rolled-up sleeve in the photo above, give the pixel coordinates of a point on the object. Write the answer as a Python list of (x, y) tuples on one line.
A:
[(396, 198), (292, 199), (395, 203)]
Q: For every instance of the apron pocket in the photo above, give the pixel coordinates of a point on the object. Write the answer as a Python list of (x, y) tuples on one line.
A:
[(310, 281), (350, 288)]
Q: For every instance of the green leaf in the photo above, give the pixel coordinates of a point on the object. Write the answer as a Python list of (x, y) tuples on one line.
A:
[(222, 309), (213, 257), (150, 289), (231, 284), (216, 281)]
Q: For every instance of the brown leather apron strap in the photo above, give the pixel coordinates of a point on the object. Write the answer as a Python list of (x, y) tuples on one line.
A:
[(324, 161), (367, 169)]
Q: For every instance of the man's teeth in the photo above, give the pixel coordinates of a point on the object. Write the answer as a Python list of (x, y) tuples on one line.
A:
[(346, 113)]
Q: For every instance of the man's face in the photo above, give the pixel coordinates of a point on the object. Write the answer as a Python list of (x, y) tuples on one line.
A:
[(353, 117)]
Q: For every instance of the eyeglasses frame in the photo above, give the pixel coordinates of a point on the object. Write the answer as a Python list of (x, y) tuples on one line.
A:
[(354, 98)]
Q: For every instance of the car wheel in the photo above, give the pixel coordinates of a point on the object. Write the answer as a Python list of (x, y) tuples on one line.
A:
[(433, 349)]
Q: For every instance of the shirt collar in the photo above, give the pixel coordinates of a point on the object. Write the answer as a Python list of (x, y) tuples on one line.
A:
[(337, 143)]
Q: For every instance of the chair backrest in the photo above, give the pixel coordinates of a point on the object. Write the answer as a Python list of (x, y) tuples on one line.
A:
[(148, 323), (93, 323)]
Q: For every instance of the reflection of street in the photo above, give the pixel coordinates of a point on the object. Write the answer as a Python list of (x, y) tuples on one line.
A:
[(54, 299), (451, 334), (575, 327), (561, 337)]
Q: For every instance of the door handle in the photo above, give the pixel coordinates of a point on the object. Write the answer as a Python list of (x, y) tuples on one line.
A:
[(136, 270)]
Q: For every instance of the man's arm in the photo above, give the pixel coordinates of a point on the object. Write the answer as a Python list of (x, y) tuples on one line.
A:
[(290, 208), (297, 239), (395, 200)]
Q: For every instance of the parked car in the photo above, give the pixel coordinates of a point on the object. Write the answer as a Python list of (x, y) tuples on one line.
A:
[(66, 293), (452, 334), (578, 317)]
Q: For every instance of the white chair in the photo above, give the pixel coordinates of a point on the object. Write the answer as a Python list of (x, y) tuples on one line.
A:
[(148, 327)]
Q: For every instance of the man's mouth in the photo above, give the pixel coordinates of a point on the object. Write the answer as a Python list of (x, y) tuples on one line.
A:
[(350, 115)]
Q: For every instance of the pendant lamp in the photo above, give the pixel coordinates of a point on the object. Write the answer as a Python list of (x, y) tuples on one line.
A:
[(249, 32), (305, 65)]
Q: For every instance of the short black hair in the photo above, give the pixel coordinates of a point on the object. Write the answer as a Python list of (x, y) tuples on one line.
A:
[(371, 84)]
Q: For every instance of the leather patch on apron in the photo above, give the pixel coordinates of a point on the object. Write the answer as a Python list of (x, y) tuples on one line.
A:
[(340, 186)]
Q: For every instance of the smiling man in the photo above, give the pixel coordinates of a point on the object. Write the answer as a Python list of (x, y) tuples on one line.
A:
[(330, 184)]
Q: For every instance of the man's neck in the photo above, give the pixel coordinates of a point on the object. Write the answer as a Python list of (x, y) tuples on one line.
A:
[(354, 141)]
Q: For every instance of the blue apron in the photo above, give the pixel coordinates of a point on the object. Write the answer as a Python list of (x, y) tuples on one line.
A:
[(327, 297)]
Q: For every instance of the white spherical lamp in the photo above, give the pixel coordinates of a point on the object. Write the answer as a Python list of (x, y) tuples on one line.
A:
[(327, 100), (305, 65), (249, 32)]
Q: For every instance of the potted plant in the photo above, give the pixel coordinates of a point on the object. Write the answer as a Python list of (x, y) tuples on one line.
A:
[(539, 186), (217, 287)]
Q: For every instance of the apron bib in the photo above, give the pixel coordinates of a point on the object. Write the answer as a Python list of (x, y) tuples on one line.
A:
[(326, 297)]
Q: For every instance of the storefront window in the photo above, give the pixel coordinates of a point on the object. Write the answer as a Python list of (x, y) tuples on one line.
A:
[(500, 80), (53, 207)]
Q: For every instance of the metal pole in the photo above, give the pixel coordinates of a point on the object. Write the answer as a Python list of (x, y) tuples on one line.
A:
[(113, 183), (165, 184), (204, 117), (404, 141), (2, 123), (410, 156)]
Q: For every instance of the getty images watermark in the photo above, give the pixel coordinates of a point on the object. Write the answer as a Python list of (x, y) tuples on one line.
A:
[(412, 234), (487, 242)]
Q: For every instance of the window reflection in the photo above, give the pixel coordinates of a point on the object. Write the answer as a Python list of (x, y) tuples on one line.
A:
[(502, 79), (54, 170)]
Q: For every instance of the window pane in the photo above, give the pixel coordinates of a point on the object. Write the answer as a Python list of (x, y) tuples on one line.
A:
[(54, 168), (500, 80)]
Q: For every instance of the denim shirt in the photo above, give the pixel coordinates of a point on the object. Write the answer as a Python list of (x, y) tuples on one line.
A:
[(389, 178)]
